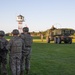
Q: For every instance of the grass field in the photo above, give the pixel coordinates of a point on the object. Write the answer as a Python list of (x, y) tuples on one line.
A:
[(52, 59)]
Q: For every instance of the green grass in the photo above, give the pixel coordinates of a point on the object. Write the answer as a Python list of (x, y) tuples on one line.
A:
[(53, 59)]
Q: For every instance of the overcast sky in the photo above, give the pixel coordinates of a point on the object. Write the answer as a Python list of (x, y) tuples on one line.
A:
[(39, 15)]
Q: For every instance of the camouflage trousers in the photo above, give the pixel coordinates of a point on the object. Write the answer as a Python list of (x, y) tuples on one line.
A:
[(25, 61), (3, 63), (15, 61)]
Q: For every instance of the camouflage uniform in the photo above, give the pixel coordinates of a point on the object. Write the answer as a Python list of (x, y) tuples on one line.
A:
[(3, 54), (15, 46), (25, 63)]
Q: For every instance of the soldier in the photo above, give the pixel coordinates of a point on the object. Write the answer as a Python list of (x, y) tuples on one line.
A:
[(25, 64), (3, 54), (16, 45), (42, 37)]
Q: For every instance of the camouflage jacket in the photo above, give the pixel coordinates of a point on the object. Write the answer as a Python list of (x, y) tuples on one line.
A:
[(15, 45), (3, 44)]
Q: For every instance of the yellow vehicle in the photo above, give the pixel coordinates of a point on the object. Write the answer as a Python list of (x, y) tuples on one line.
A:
[(59, 35)]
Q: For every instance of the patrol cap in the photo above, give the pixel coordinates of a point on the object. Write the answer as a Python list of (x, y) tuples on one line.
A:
[(25, 29), (15, 32), (2, 33)]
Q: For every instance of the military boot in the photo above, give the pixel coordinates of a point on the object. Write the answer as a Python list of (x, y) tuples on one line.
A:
[(5, 74), (22, 73)]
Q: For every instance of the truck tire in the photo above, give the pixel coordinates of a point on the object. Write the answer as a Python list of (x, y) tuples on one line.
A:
[(55, 40), (59, 40), (65, 41), (48, 40), (70, 41)]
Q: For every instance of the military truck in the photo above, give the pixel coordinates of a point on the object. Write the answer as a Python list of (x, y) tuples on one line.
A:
[(59, 35)]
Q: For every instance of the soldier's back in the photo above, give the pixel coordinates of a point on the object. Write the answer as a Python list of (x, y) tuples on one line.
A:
[(27, 39), (3, 43), (17, 43)]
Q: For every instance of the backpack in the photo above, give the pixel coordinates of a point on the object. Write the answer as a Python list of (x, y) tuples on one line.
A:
[(16, 45), (28, 40)]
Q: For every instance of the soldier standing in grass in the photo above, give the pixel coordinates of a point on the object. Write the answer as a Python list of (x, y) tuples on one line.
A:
[(16, 45), (25, 63), (42, 37), (3, 54)]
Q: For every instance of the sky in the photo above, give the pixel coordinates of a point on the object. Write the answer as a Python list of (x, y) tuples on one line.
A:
[(39, 15)]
